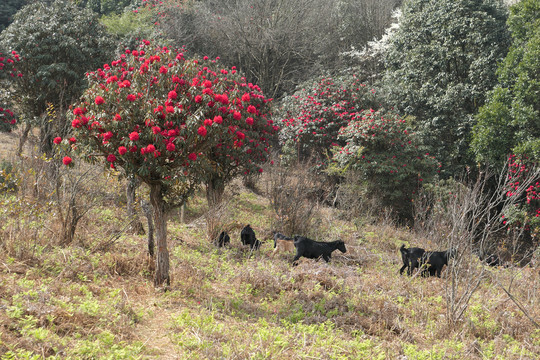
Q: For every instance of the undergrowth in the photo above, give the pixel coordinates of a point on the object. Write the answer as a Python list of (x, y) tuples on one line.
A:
[(95, 298)]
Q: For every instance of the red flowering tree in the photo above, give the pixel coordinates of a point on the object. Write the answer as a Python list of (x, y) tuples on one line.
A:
[(314, 115), (8, 70), (387, 156), (524, 183), (173, 123)]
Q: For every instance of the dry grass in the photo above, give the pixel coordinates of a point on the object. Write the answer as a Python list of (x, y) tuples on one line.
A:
[(95, 299)]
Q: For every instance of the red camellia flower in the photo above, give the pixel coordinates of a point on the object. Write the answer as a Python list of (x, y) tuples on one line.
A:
[(172, 95), (131, 98), (77, 111), (192, 156), (108, 135), (218, 119), (240, 135), (246, 97), (198, 99), (99, 100), (237, 115), (72, 140), (122, 150), (249, 121), (117, 117), (207, 122), (171, 147), (66, 160), (57, 140), (251, 109), (163, 70), (202, 131), (76, 123), (134, 136), (150, 148), (111, 158)]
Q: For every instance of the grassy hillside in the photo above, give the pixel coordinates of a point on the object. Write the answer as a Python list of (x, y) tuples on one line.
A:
[(95, 298)]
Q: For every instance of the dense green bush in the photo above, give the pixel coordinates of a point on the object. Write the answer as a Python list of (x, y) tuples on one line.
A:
[(390, 162), (57, 44)]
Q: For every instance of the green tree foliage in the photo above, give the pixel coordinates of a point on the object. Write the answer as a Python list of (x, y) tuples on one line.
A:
[(389, 159), (509, 123), (106, 7), (58, 43), (313, 116), (8, 8), (172, 122), (131, 26), (440, 64)]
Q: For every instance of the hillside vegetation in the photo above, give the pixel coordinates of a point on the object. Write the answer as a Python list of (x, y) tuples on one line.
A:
[(134, 133), (96, 299)]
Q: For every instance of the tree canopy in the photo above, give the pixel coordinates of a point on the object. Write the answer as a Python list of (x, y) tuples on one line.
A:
[(509, 123), (440, 64), (57, 43)]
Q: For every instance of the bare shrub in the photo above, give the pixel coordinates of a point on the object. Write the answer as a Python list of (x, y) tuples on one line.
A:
[(352, 200), (292, 191), (75, 196), (465, 215), (25, 225)]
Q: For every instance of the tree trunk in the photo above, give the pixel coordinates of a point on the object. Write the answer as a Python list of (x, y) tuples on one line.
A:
[(136, 226), (160, 223), (148, 213), (45, 143), (24, 137), (215, 188)]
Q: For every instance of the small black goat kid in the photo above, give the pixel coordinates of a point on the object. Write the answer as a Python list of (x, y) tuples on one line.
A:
[(223, 239), (411, 258), (435, 261), (312, 249), (247, 236)]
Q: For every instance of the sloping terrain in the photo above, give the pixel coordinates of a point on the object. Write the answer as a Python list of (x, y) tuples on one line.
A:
[(95, 298)]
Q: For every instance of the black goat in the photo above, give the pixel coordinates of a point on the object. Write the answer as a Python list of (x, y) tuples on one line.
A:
[(312, 249), (247, 236), (493, 260), (223, 239), (411, 258), (435, 260)]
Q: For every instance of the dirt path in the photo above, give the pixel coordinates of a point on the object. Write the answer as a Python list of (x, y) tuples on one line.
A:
[(153, 332)]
